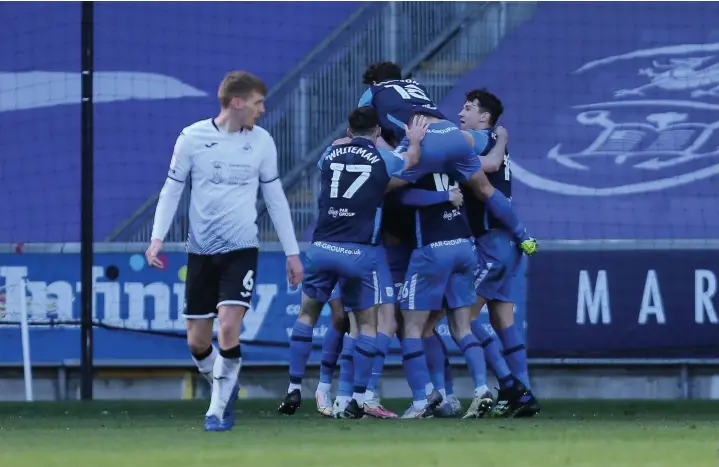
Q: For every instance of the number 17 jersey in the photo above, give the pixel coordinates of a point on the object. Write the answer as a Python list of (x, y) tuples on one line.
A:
[(354, 179)]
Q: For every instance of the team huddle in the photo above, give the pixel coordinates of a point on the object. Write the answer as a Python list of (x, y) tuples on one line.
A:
[(411, 229)]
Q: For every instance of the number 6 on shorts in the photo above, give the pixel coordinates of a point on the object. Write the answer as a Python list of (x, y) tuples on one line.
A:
[(248, 282)]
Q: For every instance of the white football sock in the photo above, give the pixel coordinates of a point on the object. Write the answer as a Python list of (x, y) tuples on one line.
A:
[(481, 390), (324, 387), (419, 405), (428, 388), (206, 365), (359, 397), (226, 371)]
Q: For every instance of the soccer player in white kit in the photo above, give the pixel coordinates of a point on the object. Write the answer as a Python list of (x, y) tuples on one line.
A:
[(227, 158)]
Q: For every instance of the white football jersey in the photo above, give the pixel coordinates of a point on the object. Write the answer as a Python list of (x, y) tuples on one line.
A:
[(226, 170)]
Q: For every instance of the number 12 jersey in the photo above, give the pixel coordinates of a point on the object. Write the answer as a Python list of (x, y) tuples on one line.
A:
[(396, 101)]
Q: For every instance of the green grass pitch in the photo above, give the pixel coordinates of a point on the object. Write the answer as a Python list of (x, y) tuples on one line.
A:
[(150, 434)]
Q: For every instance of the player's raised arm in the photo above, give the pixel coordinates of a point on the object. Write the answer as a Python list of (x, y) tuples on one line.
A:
[(415, 134), (479, 141), (180, 167), (279, 210), (494, 159), (410, 149)]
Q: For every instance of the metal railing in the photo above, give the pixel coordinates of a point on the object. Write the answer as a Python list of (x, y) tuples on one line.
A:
[(328, 87), (138, 226), (460, 48), (470, 46)]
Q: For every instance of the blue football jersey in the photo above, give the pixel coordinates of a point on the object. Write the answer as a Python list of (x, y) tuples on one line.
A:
[(395, 102), (480, 218), (439, 222), (354, 179), (398, 220)]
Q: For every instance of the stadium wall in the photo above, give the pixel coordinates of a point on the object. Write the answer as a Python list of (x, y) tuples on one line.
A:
[(645, 331)]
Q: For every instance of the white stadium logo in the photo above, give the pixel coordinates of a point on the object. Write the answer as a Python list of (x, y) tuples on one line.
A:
[(38, 89), (664, 128)]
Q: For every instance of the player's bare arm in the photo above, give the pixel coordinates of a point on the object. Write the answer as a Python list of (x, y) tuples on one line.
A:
[(382, 144), (456, 197), (493, 161), (415, 134)]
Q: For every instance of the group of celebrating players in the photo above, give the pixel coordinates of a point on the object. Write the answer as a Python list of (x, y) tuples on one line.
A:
[(410, 229)]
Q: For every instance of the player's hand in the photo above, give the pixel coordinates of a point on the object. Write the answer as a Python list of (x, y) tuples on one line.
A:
[(345, 140), (455, 197), (152, 252), (295, 271), (501, 133), (416, 132)]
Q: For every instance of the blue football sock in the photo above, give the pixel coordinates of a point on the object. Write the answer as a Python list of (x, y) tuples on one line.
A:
[(330, 354), (502, 209), (448, 379), (365, 351), (300, 349), (415, 367), (515, 353), (492, 352), (347, 368), (383, 342), (435, 360), (472, 350)]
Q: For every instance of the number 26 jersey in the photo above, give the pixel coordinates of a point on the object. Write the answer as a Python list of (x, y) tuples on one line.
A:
[(354, 179)]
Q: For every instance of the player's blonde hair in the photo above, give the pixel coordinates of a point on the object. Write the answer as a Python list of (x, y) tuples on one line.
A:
[(239, 84)]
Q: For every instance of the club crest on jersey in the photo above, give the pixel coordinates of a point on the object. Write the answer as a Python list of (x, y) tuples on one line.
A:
[(647, 121), (217, 177)]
